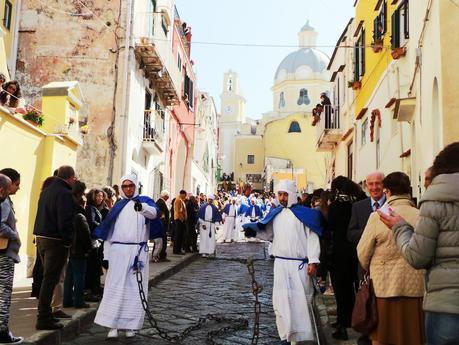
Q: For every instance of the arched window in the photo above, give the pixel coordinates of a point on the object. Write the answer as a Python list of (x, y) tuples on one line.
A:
[(294, 127), (281, 100), (304, 98)]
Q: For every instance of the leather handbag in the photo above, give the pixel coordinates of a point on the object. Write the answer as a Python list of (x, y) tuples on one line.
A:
[(365, 314)]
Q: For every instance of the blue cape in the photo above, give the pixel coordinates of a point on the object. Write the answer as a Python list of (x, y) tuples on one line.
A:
[(248, 211), (226, 210), (309, 217), (154, 225), (242, 208), (216, 216)]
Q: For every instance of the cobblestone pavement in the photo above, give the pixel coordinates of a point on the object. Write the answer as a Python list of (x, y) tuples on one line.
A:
[(214, 286)]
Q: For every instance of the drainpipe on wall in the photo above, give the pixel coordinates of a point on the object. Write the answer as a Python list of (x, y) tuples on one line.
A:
[(127, 83), (15, 41), (182, 133)]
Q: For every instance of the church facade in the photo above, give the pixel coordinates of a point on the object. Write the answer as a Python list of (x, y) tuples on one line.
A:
[(282, 144)]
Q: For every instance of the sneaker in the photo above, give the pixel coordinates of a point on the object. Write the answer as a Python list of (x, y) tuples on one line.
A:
[(48, 325), (130, 333), (113, 333), (8, 338), (61, 315)]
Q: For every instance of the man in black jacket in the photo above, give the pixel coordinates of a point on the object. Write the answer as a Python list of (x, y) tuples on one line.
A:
[(361, 210), (54, 234)]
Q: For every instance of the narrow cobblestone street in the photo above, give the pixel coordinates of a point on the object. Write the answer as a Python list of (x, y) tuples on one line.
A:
[(207, 286)]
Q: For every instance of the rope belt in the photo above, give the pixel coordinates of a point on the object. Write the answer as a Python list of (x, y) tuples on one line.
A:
[(304, 261), (211, 222), (137, 265)]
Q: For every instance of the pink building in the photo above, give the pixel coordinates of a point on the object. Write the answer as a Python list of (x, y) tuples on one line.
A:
[(182, 122)]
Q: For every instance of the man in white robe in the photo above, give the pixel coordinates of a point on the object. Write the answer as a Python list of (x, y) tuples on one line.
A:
[(296, 248), (209, 216), (229, 215), (126, 250)]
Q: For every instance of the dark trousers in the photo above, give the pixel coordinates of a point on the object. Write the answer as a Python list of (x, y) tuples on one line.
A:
[(163, 253), (37, 276), (441, 328), (74, 282), (94, 271), (192, 237), (179, 233), (53, 256), (343, 286)]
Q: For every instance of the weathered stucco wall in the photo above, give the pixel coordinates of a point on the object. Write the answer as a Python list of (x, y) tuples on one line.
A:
[(67, 40)]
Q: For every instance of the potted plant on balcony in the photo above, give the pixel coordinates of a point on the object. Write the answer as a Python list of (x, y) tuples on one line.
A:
[(398, 52), (377, 45), (354, 84), (33, 116)]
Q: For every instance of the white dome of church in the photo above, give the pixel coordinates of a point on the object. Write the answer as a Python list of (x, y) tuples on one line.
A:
[(306, 62)]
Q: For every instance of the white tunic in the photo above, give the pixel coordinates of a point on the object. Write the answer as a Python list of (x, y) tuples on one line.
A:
[(121, 306), (206, 227), (292, 288), (229, 229)]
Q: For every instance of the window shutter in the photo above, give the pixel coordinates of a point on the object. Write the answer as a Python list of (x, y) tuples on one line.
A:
[(406, 19), (395, 39), (190, 93), (356, 61), (186, 86), (383, 19), (375, 29), (362, 51)]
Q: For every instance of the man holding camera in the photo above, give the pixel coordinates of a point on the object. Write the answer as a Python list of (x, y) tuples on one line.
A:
[(126, 230)]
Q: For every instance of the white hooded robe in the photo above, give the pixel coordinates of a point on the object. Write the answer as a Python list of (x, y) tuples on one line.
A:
[(121, 306)]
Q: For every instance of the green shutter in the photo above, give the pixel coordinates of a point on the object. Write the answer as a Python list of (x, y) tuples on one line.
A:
[(406, 19), (356, 61), (362, 50), (383, 18), (395, 38)]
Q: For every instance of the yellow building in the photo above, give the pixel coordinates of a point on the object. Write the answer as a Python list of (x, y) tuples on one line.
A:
[(35, 152), (402, 94), (282, 144)]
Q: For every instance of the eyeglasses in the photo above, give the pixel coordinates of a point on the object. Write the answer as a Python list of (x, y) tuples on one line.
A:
[(126, 186)]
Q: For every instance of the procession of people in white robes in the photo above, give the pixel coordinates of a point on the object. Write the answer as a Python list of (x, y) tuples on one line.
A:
[(295, 246)]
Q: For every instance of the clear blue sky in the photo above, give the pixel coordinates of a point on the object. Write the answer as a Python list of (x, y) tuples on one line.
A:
[(260, 22)]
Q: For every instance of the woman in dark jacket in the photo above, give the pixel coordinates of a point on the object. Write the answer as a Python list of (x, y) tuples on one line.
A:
[(343, 265), (95, 203), (76, 269)]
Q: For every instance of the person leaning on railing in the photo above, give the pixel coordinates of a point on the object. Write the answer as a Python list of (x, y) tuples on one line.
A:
[(433, 244), (11, 97)]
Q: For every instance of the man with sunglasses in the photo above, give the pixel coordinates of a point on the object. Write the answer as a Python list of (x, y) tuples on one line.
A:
[(129, 225)]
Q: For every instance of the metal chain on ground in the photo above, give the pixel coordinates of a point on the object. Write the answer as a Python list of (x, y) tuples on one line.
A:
[(256, 289), (235, 324)]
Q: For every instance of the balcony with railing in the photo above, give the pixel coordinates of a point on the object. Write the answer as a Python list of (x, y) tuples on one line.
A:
[(329, 128), (156, 70), (153, 131)]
